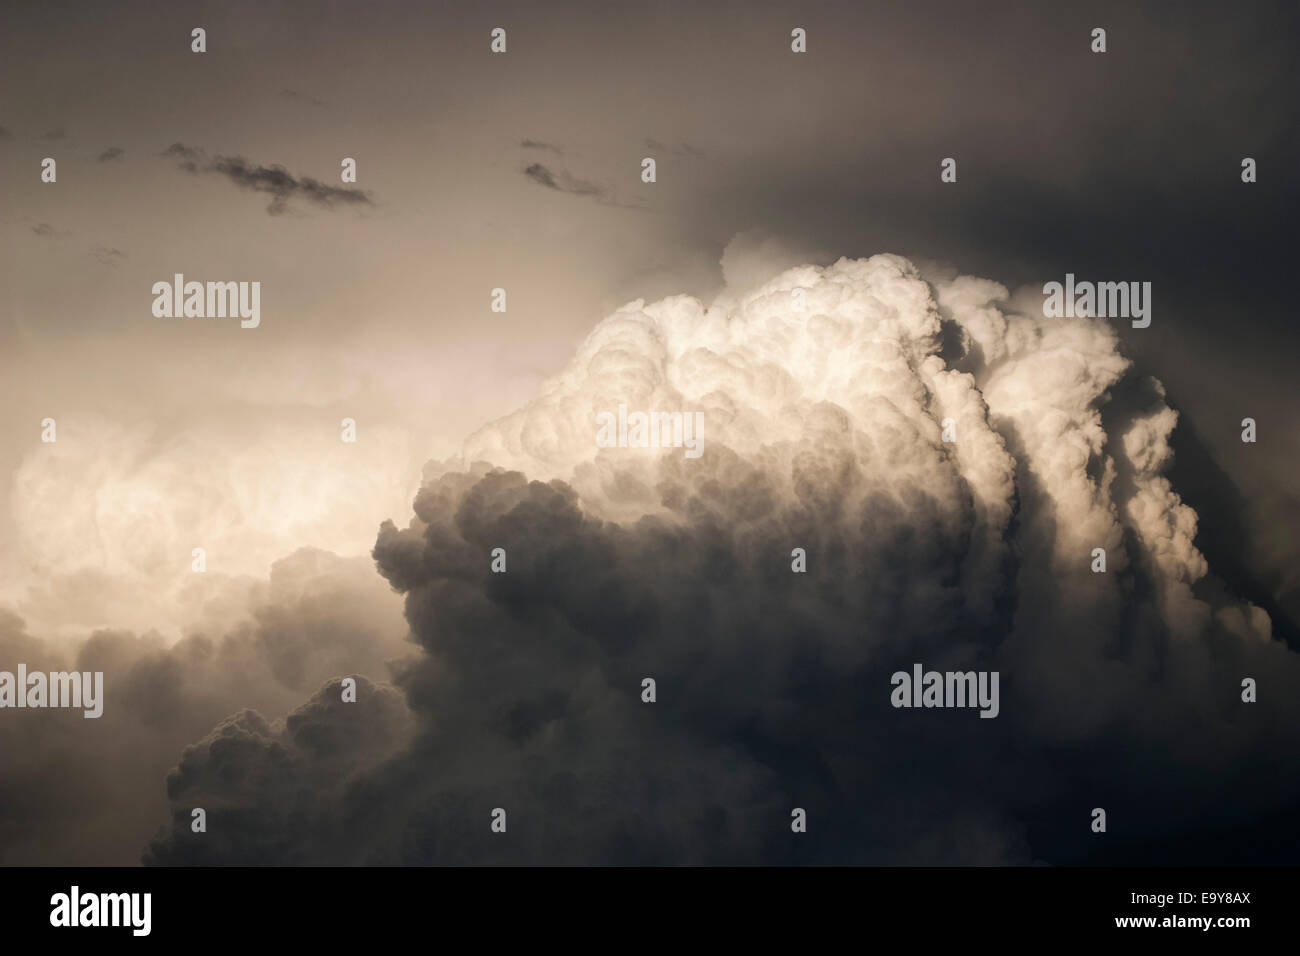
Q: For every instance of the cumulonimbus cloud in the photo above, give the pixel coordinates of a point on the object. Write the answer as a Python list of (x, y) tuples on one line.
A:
[(948, 461)]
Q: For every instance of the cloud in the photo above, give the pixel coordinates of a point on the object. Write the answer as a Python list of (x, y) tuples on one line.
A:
[(5, 134), (92, 792), (753, 256), (55, 134), (562, 181), (326, 741), (44, 230), (112, 154), (565, 182), (824, 431), (274, 180), (537, 144), (117, 551), (283, 187), (187, 157)]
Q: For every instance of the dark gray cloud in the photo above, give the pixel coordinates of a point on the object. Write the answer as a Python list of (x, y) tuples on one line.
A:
[(772, 693), (538, 144), (284, 187), (276, 181), (187, 157), (565, 182), (44, 230), (292, 779), (80, 791), (53, 135), (112, 154)]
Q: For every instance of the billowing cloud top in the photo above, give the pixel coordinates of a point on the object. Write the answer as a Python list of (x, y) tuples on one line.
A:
[(831, 386), (948, 462)]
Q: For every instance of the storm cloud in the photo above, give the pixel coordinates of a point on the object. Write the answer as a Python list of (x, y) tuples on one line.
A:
[(823, 431), (92, 791)]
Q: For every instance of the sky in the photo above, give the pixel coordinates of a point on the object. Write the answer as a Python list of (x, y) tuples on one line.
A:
[(522, 171)]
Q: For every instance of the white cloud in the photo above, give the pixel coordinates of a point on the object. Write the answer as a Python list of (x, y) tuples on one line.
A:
[(860, 369)]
